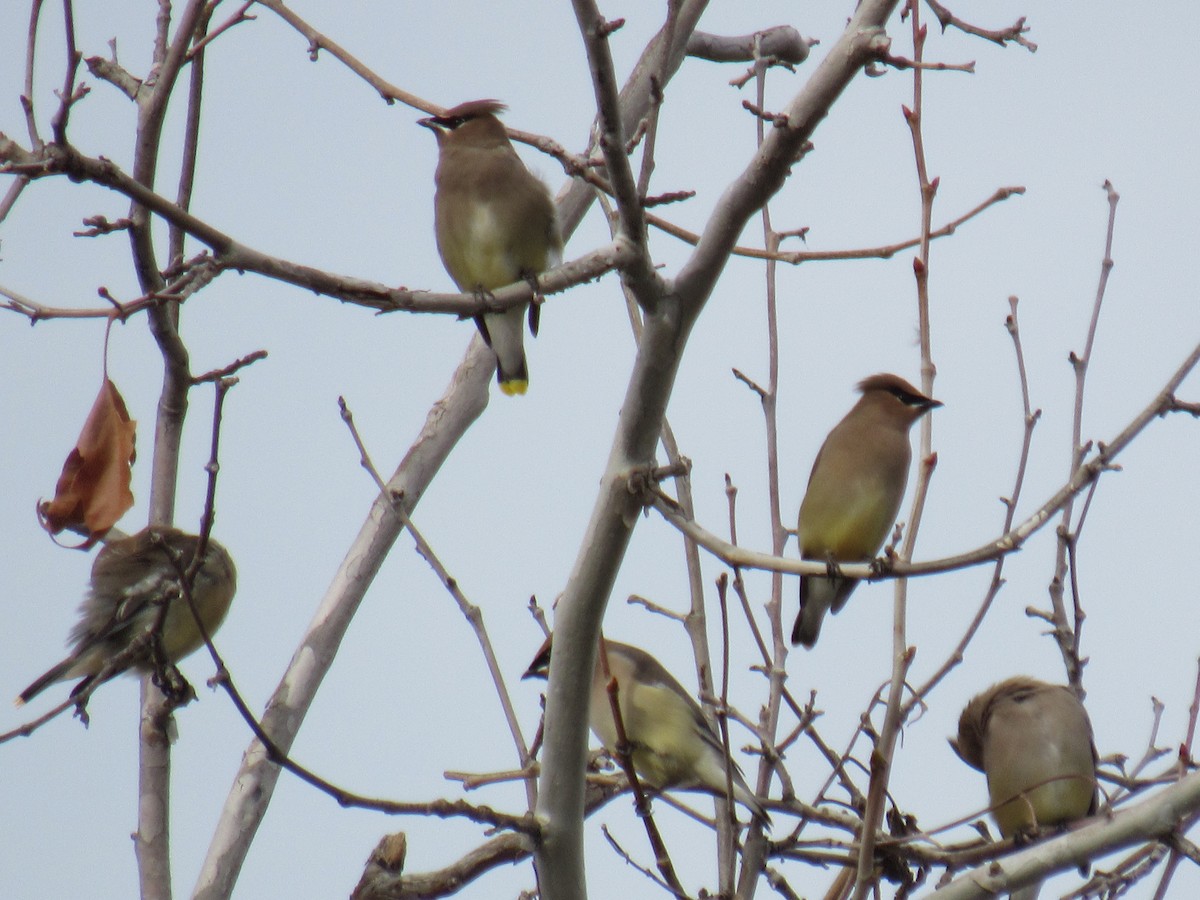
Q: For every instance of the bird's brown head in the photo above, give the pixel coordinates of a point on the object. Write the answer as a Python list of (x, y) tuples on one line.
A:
[(973, 723), (540, 667), (968, 745), (903, 400), (473, 122)]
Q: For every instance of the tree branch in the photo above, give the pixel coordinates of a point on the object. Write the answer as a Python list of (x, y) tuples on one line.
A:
[(667, 325), (1155, 817)]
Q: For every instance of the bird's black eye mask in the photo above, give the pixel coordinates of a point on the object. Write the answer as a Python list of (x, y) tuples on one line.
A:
[(917, 401)]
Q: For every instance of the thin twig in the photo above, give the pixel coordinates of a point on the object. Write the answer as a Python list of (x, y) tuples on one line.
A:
[(884, 251), (70, 94), (1014, 33), (902, 653), (1064, 631), (470, 611), (236, 19), (1030, 418), (26, 99)]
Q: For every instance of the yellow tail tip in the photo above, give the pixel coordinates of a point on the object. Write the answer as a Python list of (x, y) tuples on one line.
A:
[(515, 387)]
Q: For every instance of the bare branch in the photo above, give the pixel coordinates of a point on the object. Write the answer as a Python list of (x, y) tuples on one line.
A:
[(236, 19), (26, 99), (861, 42), (796, 257), (318, 42), (1014, 33), (384, 877), (462, 403), (1156, 816), (111, 71), (1030, 419), (615, 512), (782, 43), (70, 94), (231, 255), (1065, 632), (639, 273)]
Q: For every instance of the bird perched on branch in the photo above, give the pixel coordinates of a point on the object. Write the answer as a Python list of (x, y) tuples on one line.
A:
[(135, 590), (672, 744), (854, 492), (1034, 742), (495, 223)]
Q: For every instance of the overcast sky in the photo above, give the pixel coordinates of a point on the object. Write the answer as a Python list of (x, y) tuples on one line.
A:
[(304, 161)]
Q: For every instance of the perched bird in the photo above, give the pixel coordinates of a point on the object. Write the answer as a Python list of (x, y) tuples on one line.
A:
[(673, 745), (854, 492), (495, 222), (131, 580), (1034, 742)]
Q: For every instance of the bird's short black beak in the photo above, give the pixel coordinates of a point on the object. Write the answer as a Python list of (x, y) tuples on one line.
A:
[(431, 123), (540, 667), (932, 404)]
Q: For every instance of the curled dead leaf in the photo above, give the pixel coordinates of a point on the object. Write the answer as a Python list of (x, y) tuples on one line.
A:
[(93, 490)]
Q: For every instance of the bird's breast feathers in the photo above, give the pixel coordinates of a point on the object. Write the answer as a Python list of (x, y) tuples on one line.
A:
[(665, 727), (484, 249), (850, 520)]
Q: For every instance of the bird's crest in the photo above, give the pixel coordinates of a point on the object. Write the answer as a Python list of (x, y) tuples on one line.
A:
[(898, 388), (464, 112)]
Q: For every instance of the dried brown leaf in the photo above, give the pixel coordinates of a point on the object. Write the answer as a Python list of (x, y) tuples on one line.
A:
[(93, 490)]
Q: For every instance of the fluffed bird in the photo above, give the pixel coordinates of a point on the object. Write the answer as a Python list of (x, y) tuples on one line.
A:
[(132, 578), (496, 224), (1034, 742), (854, 492), (672, 744)]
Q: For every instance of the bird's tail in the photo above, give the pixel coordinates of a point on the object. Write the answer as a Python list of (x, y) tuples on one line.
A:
[(505, 334), (818, 594), (808, 621), (58, 673), (743, 794)]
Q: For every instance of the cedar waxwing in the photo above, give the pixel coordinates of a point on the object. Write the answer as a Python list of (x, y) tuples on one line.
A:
[(854, 492), (673, 745), (131, 579), (1034, 742), (496, 223)]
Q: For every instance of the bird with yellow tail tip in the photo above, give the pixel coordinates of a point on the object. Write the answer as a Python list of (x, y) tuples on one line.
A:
[(132, 578), (496, 223), (854, 492), (672, 744), (1034, 743)]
